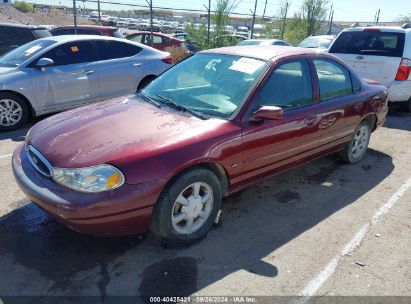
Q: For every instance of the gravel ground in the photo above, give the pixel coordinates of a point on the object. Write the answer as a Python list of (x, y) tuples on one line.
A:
[(322, 229)]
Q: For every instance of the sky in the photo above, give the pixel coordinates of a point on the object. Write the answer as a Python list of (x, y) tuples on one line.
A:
[(344, 10)]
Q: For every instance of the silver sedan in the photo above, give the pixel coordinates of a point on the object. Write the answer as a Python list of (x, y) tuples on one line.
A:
[(58, 73)]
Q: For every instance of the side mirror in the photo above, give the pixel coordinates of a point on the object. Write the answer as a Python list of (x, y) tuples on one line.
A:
[(44, 62), (269, 113)]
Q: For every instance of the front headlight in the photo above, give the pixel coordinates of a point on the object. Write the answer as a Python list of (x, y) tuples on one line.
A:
[(92, 179)]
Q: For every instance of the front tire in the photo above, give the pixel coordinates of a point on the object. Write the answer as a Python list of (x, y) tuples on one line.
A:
[(13, 111), (356, 148), (187, 208)]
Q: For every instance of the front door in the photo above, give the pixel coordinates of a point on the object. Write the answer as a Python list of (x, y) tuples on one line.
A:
[(270, 145), (72, 79)]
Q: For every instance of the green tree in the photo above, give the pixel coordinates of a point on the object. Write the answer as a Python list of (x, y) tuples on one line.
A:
[(218, 34), (404, 18), (307, 20), (23, 6)]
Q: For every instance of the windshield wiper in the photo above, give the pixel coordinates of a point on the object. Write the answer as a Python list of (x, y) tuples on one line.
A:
[(179, 107), (150, 100)]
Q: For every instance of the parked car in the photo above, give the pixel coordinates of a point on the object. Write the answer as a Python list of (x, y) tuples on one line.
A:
[(190, 44), (263, 42), (211, 125), (57, 73), (14, 35), (317, 42), (380, 53), (156, 40), (88, 30), (243, 31)]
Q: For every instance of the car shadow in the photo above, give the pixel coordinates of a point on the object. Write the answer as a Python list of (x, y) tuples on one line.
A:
[(49, 259), (402, 121)]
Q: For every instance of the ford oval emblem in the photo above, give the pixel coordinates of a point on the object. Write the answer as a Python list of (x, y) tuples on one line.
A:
[(360, 57)]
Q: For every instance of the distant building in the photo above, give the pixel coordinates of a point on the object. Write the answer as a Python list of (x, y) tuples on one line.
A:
[(5, 2)]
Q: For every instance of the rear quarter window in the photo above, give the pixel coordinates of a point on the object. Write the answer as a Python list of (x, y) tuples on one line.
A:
[(389, 44)]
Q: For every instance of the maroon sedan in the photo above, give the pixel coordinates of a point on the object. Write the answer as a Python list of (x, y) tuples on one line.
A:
[(156, 40), (212, 125)]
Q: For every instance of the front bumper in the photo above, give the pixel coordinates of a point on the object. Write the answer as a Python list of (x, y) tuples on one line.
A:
[(123, 211)]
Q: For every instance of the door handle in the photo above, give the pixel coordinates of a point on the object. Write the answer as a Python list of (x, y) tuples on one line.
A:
[(310, 120), (89, 72), (358, 106), (136, 65)]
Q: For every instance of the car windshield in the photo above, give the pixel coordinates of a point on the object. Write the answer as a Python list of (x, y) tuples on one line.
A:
[(315, 42), (16, 57), (212, 84)]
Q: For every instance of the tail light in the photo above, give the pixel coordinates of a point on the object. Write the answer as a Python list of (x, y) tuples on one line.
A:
[(168, 60), (404, 69)]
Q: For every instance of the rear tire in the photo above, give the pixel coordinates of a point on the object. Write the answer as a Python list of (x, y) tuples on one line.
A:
[(187, 208), (14, 111), (356, 148), (405, 106)]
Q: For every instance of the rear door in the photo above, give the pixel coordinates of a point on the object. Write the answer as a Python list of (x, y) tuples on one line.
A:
[(342, 101), (372, 53), (120, 67)]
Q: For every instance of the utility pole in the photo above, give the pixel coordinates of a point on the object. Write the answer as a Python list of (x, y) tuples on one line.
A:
[(252, 25), (331, 22), (265, 7), (98, 8), (150, 3), (208, 20), (284, 20), (378, 17), (329, 17), (75, 17)]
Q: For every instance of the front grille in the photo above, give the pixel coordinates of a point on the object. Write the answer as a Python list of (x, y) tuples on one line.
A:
[(38, 161)]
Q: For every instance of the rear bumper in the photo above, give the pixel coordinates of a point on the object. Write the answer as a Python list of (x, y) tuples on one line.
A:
[(399, 91), (124, 211)]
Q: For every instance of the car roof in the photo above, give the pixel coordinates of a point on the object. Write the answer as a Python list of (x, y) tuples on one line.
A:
[(262, 52), (322, 36), (101, 27), (71, 38), (27, 26), (397, 29)]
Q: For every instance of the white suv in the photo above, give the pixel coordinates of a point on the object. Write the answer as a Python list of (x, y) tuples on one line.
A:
[(380, 53)]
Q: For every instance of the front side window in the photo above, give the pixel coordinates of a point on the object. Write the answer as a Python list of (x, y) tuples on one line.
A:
[(212, 84), (288, 87), (334, 80), (109, 49), (71, 53), (18, 56), (137, 38)]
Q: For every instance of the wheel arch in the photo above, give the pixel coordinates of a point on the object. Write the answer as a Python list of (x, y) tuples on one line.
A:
[(212, 166), (145, 78), (32, 112), (372, 120)]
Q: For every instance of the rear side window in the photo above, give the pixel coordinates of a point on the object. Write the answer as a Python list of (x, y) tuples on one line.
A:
[(71, 53), (334, 80), (108, 49), (369, 43)]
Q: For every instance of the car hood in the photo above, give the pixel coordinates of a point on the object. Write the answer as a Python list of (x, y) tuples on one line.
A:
[(116, 129)]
